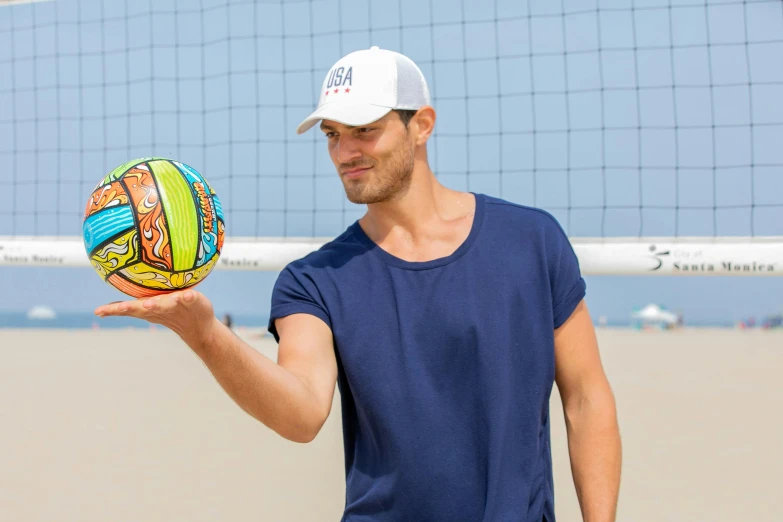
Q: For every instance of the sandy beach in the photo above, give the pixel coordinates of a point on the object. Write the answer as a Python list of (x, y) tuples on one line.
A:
[(128, 425)]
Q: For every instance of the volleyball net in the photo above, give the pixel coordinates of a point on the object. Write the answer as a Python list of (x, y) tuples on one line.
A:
[(651, 130)]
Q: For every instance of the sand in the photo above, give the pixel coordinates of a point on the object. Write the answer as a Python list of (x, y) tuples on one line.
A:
[(129, 425)]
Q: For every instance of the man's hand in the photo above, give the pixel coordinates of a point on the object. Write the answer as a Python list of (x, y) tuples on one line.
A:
[(187, 313)]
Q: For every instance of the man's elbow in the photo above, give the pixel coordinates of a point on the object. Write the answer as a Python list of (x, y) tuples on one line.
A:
[(592, 401), (303, 436), (304, 429)]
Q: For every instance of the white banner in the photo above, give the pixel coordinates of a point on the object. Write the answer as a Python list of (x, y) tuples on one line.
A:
[(687, 256), (615, 256), (247, 254)]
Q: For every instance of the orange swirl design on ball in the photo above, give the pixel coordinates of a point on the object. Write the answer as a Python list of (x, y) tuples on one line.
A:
[(106, 196), (153, 233)]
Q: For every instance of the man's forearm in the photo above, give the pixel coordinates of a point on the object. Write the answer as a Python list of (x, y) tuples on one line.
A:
[(262, 388), (595, 450)]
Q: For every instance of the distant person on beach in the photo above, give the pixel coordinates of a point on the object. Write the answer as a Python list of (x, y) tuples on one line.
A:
[(227, 320), (445, 318)]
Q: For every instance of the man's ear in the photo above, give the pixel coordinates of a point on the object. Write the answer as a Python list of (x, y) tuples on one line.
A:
[(423, 124)]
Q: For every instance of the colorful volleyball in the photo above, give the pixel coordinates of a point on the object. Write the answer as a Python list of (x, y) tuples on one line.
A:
[(153, 226)]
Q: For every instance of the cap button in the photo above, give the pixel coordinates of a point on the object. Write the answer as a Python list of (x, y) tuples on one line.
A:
[(374, 48)]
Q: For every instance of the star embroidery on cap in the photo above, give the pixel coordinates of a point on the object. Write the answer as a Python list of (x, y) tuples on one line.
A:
[(327, 93), (336, 91), (347, 89)]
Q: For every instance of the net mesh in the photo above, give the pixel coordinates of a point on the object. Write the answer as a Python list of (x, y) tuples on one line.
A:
[(621, 118)]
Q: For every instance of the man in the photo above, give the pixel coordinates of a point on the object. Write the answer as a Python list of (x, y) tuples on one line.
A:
[(443, 316)]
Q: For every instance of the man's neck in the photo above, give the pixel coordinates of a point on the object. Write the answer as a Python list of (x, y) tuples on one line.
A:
[(426, 211)]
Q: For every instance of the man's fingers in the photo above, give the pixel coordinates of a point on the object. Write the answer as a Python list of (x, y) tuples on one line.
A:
[(131, 308), (150, 303), (142, 307), (104, 309), (167, 302)]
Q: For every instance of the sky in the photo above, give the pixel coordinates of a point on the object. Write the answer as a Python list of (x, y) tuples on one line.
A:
[(645, 118)]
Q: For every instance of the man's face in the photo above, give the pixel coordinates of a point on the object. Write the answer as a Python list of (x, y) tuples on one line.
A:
[(375, 161)]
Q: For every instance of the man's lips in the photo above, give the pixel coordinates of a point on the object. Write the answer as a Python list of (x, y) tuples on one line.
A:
[(355, 173)]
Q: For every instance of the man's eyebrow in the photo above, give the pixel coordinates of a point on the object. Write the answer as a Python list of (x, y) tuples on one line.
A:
[(326, 126)]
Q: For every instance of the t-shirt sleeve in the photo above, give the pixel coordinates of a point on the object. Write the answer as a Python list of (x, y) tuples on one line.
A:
[(568, 286), (295, 292)]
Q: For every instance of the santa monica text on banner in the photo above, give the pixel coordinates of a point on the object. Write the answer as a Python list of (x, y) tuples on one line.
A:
[(726, 266)]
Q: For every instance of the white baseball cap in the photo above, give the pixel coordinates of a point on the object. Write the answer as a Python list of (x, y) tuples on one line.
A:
[(364, 86)]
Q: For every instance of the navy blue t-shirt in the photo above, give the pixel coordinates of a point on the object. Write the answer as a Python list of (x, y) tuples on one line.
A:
[(445, 367)]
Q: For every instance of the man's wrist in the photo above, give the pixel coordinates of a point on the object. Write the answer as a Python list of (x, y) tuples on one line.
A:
[(202, 338)]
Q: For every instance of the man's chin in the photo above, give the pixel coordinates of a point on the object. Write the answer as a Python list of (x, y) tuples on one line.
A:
[(361, 197)]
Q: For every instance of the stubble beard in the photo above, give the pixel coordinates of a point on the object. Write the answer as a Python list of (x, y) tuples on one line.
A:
[(383, 185)]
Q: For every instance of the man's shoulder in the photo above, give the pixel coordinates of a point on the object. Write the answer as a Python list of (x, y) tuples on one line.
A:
[(331, 255), (514, 215)]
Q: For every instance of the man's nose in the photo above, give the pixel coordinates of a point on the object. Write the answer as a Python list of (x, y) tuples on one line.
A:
[(347, 149)]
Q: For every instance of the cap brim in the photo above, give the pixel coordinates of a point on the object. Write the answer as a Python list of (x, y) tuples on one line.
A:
[(346, 114)]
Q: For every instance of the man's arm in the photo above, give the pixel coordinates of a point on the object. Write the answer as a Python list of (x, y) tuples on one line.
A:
[(590, 416), (293, 397)]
